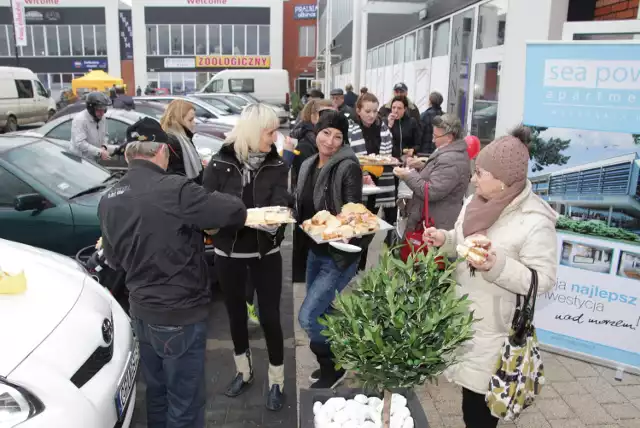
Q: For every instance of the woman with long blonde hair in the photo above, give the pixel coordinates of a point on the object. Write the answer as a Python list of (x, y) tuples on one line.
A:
[(248, 166), (179, 121)]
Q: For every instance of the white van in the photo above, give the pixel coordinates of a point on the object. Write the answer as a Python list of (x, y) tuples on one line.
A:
[(23, 99), (270, 86)]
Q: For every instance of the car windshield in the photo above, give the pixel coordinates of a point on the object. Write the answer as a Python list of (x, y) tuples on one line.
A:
[(56, 168), (238, 101), (217, 104), (254, 99)]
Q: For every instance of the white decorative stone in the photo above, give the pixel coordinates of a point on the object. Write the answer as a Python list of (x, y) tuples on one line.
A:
[(374, 402), (398, 399), (408, 423), (342, 416), (336, 403), (401, 412), (361, 398), (317, 406)]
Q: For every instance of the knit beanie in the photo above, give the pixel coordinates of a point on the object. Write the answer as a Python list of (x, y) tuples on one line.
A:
[(507, 158), (336, 120)]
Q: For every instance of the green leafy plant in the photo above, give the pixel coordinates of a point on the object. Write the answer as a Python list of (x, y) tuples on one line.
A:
[(296, 104), (595, 228), (401, 325)]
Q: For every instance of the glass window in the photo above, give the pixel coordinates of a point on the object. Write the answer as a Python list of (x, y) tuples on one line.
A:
[(492, 18), (12, 41), (485, 103), (52, 40), (62, 131), (369, 58), (56, 83), (164, 40), (410, 47), (40, 89), (189, 82), (214, 39), (307, 41), (381, 52), (238, 39), (201, 39), (116, 131), (241, 85), (38, 40), (423, 47), (176, 40), (176, 83), (252, 40), (28, 49), (56, 168), (389, 54), (11, 187), (25, 88), (152, 40), (165, 81), (441, 38), (44, 78), (101, 40), (76, 40), (227, 39), (398, 50), (89, 40), (64, 40), (4, 41), (265, 41), (67, 78), (188, 39)]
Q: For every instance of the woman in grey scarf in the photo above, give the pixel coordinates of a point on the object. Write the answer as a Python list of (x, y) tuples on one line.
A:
[(178, 122)]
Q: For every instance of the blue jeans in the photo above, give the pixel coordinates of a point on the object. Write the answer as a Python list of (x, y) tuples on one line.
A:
[(172, 361), (324, 279)]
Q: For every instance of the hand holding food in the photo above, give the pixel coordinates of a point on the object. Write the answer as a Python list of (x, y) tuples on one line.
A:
[(401, 172), (476, 250), (416, 163)]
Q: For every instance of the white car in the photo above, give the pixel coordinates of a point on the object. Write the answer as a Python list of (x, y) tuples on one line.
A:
[(68, 355), (204, 110), (241, 100)]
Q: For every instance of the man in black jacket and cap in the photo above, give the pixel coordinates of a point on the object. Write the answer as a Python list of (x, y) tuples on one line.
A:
[(152, 227), (337, 98)]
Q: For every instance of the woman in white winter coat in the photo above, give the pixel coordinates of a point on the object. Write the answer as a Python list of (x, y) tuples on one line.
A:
[(521, 228)]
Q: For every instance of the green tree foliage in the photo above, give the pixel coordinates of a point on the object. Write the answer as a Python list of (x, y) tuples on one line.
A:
[(545, 152)]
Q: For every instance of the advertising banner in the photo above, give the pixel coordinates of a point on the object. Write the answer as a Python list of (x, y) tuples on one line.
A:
[(19, 22), (580, 101), (234, 61), (126, 35), (305, 11)]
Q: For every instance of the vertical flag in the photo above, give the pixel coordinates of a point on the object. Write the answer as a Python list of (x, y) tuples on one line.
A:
[(19, 22)]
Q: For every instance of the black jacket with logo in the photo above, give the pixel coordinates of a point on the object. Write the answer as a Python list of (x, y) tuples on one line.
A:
[(152, 226), (269, 188)]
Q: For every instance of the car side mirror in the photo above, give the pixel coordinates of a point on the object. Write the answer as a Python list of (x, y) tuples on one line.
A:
[(48, 93), (30, 202)]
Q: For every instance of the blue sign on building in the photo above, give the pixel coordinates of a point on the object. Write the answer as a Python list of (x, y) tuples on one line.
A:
[(305, 11), (90, 64), (126, 35), (593, 86)]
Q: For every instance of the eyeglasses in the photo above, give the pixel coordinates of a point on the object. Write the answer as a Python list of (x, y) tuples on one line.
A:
[(435, 136)]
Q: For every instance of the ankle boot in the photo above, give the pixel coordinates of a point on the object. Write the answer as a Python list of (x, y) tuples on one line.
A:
[(329, 376), (244, 375), (275, 397)]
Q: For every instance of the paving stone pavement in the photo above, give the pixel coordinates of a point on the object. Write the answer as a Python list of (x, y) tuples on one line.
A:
[(577, 394), (247, 410)]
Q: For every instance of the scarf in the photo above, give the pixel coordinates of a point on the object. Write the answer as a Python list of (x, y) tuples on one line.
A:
[(190, 156), (371, 135), (249, 166), (482, 213)]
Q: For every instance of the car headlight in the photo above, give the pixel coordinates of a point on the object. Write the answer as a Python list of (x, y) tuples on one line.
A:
[(16, 405)]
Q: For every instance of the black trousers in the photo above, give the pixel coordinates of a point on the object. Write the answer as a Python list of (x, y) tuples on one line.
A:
[(266, 277), (475, 412), (301, 245)]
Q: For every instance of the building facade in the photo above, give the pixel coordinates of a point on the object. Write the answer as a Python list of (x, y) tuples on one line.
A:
[(179, 45), (65, 39), (300, 17)]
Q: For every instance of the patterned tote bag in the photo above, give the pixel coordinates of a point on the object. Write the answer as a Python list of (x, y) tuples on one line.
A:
[(519, 374)]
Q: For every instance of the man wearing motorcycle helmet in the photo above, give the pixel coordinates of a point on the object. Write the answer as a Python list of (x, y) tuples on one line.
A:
[(89, 130)]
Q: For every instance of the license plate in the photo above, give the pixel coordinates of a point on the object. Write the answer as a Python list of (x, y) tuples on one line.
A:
[(127, 381)]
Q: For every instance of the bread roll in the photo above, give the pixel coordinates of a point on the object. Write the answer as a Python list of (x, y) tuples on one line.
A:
[(321, 217), (354, 208)]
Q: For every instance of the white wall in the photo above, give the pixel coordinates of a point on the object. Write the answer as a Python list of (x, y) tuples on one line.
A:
[(140, 32), (111, 22)]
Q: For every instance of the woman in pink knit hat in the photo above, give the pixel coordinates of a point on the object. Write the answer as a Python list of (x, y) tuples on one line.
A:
[(521, 229)]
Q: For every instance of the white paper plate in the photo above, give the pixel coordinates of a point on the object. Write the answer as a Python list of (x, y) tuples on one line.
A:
[(347, 248)]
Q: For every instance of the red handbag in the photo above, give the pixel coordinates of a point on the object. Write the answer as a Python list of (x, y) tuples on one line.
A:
[(413, 241)]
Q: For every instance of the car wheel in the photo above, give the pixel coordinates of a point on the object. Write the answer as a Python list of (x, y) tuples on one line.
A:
[(12, 124), (50, 115)]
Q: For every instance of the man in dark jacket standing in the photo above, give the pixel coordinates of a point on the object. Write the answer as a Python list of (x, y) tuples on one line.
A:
[(152, 227), (350, 97), (426, 118), (123, 101), (337, 98), (400, 89)]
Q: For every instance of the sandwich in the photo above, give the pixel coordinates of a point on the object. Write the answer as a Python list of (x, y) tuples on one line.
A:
[(255, 216), (475, 248), (321, 217), (352, 208)]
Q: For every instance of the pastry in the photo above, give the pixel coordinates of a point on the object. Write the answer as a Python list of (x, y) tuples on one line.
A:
[(321, 217)]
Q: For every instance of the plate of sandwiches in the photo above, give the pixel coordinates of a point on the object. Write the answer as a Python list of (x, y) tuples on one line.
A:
[(354, 220), (377, 160), (268, 216)]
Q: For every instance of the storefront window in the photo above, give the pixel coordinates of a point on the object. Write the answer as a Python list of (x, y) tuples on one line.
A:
[(38, 40), (28, 49), (52, 40), (441, 38), (188, 38), (101, 40), (164, 40), (201, 80), (252, 40), (398, 49), (76, 40), (4, 41), (238, 39), (12, 41), (460, 60), (64, 40), (389, 54), (410, 47), (492, 19), (214, 39), (176, 40), (201, 39), (485, 103), (89, 40), (165, 80), (227, 39), (264, 40), (189, 82), (424, 43), (152, 40)]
